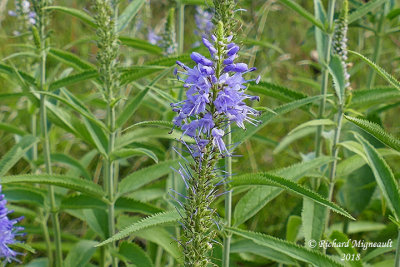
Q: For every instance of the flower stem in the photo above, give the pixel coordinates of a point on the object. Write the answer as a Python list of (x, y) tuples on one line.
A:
[(397, 258), (335, 153), (181, 26), (228, 206), (46, 146), (325, 78), (377, 47)]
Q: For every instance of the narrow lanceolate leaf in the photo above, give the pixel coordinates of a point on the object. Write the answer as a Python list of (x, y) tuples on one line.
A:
[(11, 71), (383, 175), (276, 91), (12, 129), (312, 123), (272, 180), (369, 97), (70, 59), (288, 248), (389, 78), (76, 13), (241, 136), (135, 254), (339, 237), (129, 13), (130, 152), (164, 124), (376, 131), (141, 45), (155, 220), (73, 79), (304, 13), (16, 153), (337, 72), (359, 12), (248, 246), (146, 175), (256, 198), (133, 104), (73, 183), (81, 253)]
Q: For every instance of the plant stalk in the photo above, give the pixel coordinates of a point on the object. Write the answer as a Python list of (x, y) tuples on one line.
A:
[(228, 206), (397, 257), (325, 78), (46, 149), (335, 153), (181, 26), (377, 48)]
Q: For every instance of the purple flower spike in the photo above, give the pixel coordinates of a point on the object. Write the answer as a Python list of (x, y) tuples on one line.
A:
[(8, 232), (209, 46), (241, 67), (200, 59), (217, 141)]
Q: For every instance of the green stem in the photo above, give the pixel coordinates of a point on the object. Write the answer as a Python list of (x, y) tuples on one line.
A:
[(397, 258), (181, 25), (110, 178), (46, 148), (228, 206), (335, 153), (43, 219), (325, 77), (377, 48)]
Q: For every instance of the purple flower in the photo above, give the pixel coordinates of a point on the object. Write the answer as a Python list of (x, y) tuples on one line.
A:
[(153, 38), (8, 232), (217, 140), (213, 100)]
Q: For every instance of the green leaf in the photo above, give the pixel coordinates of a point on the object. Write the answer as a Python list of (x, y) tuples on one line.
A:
[(304, 13), (133, 104), (155, 220), (288, 139), (359, 12), (76, 13), (339, 237), (369, 97), (376, 131), (272, 180), (16, 153), (248, 246), (258, 197), (164, 124), (130, 152), (73, 183), (161, 237), (72, 79), (81, 253), (97, 220), (239, 137), (141, 45), (146, 175), (339, 81), (321, 37), (276, 91), (383, 175), (311, 123), (70, 161), (288, 248), (389, 78), (292, 228), (135, 254), (393, 13), (25, 194), (71, 59), (313, 217), (129, 13), (130, 75), (12, 72), (12, 129)]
